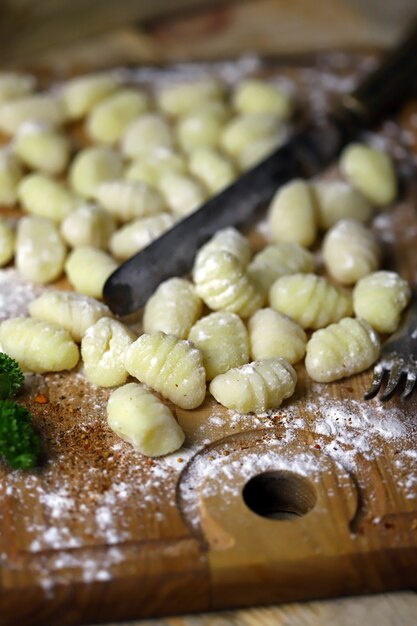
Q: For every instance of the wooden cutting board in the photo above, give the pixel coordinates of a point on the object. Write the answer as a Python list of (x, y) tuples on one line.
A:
[(317, 500)]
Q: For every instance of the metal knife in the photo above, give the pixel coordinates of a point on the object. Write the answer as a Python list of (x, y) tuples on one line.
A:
[(304, 155)]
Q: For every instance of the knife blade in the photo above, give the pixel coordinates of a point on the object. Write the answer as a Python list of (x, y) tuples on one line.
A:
[(304, 155)]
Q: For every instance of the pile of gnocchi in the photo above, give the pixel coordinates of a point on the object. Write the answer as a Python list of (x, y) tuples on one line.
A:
[(240, 322)]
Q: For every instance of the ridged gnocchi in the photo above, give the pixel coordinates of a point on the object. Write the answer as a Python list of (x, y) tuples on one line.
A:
[(128, 200), (292, 214), (380, 298), (182, 193), (173, 308), (38, 346), (171, 366), (42, 148), (10, 176), (15, 85), (229, 240), (88, 225), (223, 341), (221, 281), (213, 169), (245, 129), (200, 128), (182, 97), (87, 270), (72, 311), (109, 119), (103, 349), (41, 108), (7, 242), (150, 168), (337, 200), (255, 387), (135, 236), (148, 133), (278, 260), (141, 419), (93, 166), (371, 171), (257, 96), (274, 334), (40, 251), (44, 196), (342, 349), (310, 300), (350, 252), (81, 94)]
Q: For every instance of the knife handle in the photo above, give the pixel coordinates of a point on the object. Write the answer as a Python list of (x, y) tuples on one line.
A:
[(384, 88)]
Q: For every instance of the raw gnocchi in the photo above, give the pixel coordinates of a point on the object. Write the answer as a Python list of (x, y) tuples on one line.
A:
[(244, 130), (150, 168), (42, 148), (371, 171), (147, 134), (257, 96), (258, 150), (135, 236), (38, 346), (109, 119), (80, 95), (342, 349), (171, 366), (337, 200), (181, 98), (87, 270), (7, 241), (350, 252), (310, 300), (182, 193), (141, 419), (44, 196), (88, 225), (128, 200), (229, 240), (103, 349), (221, 281), (380, 298), (10, 176), (292, 214), (40, 251), (223, 341), (274, 334), (72, 311), (93, 166), (41, 108), (255, 387), (200, 128), (278, 260), (213, 169), (173, 308), (14, 85)]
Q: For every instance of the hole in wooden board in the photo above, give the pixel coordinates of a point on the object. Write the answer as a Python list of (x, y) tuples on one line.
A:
[(279, 495)]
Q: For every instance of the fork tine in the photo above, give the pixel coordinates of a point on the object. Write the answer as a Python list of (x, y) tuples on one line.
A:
[(411, 381), (376, 382), (394, 378)]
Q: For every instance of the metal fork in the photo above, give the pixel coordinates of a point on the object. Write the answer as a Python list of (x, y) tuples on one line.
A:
[(398, 361)]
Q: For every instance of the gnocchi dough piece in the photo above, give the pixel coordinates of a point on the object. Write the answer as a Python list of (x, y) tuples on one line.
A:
[(87, 270), (80, 95), (274, 334), (173, 308), (310, 300), (200, 128), (380, 298), (257, 96), (147, 134), (229, 240), (221, 281), (245, 129), (41, 108), (88, 225), (10, 175), (42, 195), (110, 117), (42, 148), (258, 150), (213, 169), (103, 349), (181, 98), (171, 366), (150, 168), (255, 387), (38, 346), (337, 200), (141, 419), (278, 260), (128, 200), (350, 252), (223, 341), (40, 251), (15, 85), (7, 242), (342, 349), (72, 311), (371, 171), (182, 193), (93, 166), (133, 237), (292, 214)]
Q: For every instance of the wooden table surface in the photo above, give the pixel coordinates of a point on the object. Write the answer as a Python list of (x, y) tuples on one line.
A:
[(267, 27)]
